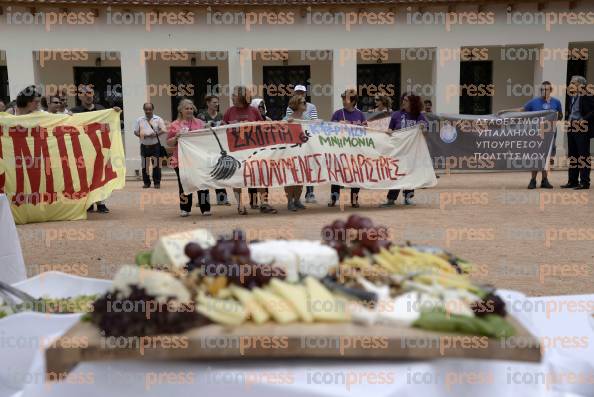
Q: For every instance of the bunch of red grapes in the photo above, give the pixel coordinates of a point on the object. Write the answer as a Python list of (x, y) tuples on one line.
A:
[(356, 237), (230, 257)]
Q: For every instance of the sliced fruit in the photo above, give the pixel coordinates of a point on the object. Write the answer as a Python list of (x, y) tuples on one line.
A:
[(295, 295)]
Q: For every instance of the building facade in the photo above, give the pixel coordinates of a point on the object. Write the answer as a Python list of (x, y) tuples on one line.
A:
[(466, 56)]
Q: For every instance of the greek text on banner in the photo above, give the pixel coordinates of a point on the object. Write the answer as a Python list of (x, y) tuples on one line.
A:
[(53, 167), (272, 154)]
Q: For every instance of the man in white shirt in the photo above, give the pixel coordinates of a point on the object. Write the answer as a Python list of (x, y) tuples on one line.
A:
[(151, 130)]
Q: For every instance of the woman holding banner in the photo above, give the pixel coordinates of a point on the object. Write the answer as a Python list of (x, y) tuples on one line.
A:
[(259, 104), (349, 114), (409, 115), (242, 112), (298, 105), (186, 122)]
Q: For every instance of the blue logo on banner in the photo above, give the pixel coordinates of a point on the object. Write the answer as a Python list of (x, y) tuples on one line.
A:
[(448, 133)]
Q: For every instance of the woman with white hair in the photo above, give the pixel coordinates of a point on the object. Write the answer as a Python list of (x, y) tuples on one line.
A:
[(259, 104), (185, 123)]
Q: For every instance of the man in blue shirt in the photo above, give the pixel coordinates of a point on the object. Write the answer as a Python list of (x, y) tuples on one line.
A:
[(544, 102)]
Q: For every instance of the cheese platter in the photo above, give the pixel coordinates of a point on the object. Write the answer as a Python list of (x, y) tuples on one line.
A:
[(227, 298)]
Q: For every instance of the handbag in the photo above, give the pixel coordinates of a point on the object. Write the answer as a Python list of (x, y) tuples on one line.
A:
[(162, 150)]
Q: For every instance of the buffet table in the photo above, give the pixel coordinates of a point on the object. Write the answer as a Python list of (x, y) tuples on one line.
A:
[(562, 322), (12, 266)]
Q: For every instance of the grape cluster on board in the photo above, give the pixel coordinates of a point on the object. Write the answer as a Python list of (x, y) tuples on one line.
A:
[(230, 257), (358, 236)]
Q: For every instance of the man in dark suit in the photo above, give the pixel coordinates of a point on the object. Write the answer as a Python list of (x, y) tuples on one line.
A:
[(580, 129)]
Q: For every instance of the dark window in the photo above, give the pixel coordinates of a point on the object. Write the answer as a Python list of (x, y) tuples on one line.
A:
[(476, 83), (575, 67), (106, 81), (279, 82), (4, 92), (193, 82), (378, 79)]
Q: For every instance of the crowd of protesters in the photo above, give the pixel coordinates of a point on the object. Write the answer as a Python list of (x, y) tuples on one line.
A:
[(153, 133)]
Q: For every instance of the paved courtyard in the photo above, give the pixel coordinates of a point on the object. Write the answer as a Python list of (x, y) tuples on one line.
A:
[(539, 241)]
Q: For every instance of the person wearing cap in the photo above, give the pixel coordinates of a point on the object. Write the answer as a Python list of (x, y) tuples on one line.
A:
[(310, 109), (349, 114), (311, 113)]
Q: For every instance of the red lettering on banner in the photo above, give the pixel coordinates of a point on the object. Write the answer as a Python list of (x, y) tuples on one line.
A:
[(248, 174), (357, 177), (60, 132), (24, 160), (344, 164), (278, 173), (338, 168), (317, 160), (253, 136), (342, 168), (331, 173), (290, 164), (102, 173), (394, 163), (305, 170)]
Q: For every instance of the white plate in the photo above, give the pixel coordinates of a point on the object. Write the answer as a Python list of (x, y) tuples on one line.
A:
[(62, 285), (25, 333)]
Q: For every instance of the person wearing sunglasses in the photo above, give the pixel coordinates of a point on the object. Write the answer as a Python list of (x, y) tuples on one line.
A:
[(383, 103), (51, 104), (349, 114)]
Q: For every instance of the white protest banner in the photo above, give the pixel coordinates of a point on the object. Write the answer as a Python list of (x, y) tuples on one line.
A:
[(277, 153)]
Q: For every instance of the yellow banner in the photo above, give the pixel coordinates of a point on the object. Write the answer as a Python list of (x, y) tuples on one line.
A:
[(53, 167)]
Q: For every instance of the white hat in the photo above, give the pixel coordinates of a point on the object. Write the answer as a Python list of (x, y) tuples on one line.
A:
[(300, 87)]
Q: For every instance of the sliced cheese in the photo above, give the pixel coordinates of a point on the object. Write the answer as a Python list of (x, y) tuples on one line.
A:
[(254, 309), (228, 309), (217, 317), (280, 310), (322, 304), (169, 250), (295, 295)]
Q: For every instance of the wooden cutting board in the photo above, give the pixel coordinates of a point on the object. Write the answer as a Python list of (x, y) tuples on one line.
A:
[(83, 342)]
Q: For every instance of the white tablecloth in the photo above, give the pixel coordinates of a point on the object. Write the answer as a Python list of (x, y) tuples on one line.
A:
[(12, 266), (548, 318)]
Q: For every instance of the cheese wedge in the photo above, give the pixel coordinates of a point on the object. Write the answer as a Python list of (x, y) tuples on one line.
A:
[(322, 304), (280, 310), (254, 309), (295, 295), (226, 311), (169, 250), (217, 317)]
